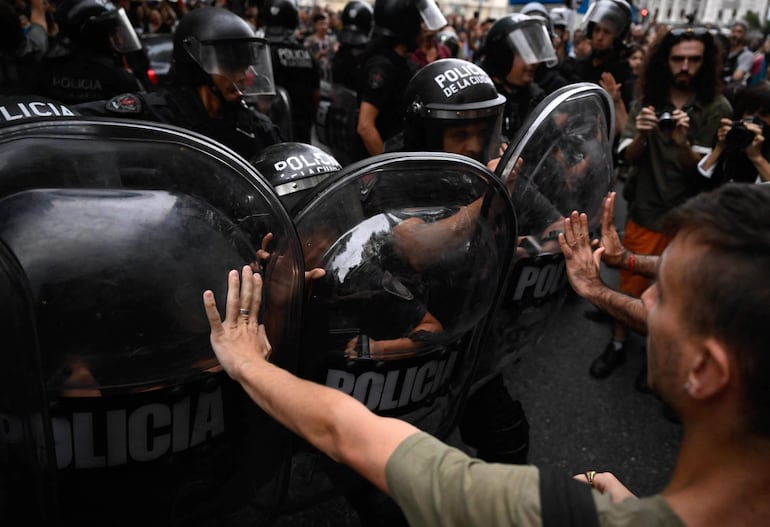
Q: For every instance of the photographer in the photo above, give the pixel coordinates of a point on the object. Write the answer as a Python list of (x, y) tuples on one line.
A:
[(741, 153), (671, 125)]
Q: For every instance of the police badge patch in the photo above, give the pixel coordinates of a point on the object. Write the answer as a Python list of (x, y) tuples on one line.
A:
[(125, 103), (376, 79)]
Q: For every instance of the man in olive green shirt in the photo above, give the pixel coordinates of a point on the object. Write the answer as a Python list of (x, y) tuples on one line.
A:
[(708, 340)]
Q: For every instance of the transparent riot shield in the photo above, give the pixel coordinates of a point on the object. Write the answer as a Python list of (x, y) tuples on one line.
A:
[(415, 247), (566, 150), (118, 228), (336, 121), (27, 475)]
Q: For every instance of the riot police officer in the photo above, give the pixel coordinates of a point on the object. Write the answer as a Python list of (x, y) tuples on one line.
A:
[(452, 106), (356, 28), (87, 64), (294, 67), (515, 47), (607, 24), (547, 76), (218, 61), (293, 169), (386, 70)]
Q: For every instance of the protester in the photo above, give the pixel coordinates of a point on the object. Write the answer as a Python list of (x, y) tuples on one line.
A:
[(669, 128), (707, 360)]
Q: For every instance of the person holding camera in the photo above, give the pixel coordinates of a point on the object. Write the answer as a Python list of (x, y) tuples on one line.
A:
[(671, 125), (741, 153)]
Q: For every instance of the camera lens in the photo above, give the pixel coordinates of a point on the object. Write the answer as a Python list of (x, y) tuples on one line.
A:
[(739, 137), (666, 121)]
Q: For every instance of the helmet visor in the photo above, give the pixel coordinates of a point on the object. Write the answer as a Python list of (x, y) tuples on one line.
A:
[(123, 38), (609, 14), (532, 42), (244, 62), (431, 14)]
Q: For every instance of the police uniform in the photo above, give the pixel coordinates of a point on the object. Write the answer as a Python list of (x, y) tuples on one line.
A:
[(84, 76), (586, 71), (346, 65), (519, 101), (298, 71), (241, 128), (383, 79)]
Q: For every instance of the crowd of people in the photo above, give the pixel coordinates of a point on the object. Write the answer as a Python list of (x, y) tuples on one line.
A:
[(691, 107)]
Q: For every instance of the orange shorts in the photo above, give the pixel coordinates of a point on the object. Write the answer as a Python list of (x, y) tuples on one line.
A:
[(640, 240)]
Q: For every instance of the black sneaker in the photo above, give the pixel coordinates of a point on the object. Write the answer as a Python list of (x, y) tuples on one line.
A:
[(607, 362)]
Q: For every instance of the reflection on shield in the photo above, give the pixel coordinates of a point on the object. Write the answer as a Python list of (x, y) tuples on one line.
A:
[(566, 150), (414, 247), (110, 232)]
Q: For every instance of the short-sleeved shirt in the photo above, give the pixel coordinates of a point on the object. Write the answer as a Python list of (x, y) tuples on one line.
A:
[(659, 181), (740, 60), (435, 484), (384, 78)]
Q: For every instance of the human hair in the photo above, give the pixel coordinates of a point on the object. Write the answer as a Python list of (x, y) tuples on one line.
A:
[(632, 48), (759, 97), (655, 77), (729, 288), (318, 17)]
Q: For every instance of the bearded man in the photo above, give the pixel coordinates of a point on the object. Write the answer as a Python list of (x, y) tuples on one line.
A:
[(669, 128)]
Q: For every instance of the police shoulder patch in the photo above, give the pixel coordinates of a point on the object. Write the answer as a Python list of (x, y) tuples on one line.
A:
[(125, 103), (376, 78)]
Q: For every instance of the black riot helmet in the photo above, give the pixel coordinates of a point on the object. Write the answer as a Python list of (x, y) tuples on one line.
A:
[(401, 19), (295, 168), (450, 101), (616, 14), (357, 19), (512, 35), (97, 25), (538, 10), (215, 41), (280, 16)]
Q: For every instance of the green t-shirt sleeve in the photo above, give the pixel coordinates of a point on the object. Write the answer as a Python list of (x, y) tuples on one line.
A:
[(435, 484), (633, 512)]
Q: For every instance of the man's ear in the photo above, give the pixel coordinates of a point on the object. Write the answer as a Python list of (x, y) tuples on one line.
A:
[(710, 370)]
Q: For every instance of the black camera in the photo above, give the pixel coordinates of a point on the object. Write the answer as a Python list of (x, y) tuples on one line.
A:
[(666, 121), (739, 136)]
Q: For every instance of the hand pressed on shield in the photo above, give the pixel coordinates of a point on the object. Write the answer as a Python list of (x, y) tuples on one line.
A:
[(239, 339), (614, 252), (582, 262)]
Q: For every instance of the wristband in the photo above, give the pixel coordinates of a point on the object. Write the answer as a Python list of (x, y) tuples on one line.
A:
[(631, 263)]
